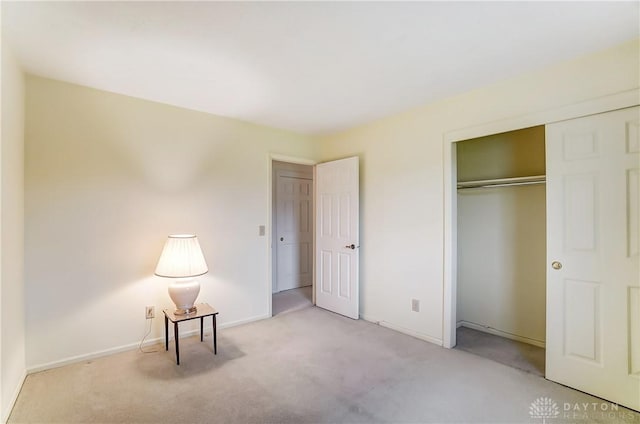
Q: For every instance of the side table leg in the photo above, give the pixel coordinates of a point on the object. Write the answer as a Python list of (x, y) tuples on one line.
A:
[(166, 333), (215, 338), (175, 331), (201, 327)]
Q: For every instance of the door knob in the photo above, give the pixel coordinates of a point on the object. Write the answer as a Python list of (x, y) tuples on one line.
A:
[(556, 265), (281, 238), (351, 246)]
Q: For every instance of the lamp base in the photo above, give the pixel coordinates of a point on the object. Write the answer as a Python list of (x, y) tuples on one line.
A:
[(185, 311), (184, 293)]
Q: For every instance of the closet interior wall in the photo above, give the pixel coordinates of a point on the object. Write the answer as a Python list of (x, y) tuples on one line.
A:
[(502, 236)]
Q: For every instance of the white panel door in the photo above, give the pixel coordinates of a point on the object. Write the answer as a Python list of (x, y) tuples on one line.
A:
[(293, 230), (593, 211), (337, 237)]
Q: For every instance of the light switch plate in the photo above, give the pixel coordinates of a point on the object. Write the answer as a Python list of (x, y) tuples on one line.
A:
[(415, 305)]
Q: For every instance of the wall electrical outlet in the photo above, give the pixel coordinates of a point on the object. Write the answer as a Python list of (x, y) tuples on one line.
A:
[(149, 312), (415, 305)]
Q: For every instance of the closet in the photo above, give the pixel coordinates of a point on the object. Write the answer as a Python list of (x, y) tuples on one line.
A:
[(501, 239)]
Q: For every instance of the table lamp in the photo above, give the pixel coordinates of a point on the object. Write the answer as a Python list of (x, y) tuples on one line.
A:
[(181, 260)]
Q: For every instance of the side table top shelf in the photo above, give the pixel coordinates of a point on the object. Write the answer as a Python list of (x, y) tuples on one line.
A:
[(202, 310)]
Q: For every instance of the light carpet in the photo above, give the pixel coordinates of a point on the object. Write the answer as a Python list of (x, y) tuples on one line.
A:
[(306, 366), (516, 354), (291, 300)]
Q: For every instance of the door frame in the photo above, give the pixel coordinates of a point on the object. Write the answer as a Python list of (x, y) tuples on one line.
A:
[(278, 173), (590, 107), (269, 233)]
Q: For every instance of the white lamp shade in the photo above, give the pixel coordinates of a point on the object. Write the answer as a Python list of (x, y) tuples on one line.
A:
[(181, 258)]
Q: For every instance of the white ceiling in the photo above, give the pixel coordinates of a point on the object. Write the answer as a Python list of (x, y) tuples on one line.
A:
[(312, 67)]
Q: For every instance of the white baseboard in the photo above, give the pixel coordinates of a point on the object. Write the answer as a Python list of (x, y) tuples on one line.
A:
[(243, 321), (14, 398), (131, 346), (89, 356), (496, 332), (403, 330)]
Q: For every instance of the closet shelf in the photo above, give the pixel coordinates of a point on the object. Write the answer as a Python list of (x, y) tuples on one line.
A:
[(503, 182)]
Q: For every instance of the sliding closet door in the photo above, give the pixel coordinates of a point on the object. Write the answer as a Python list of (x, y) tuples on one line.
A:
[(593, 236)]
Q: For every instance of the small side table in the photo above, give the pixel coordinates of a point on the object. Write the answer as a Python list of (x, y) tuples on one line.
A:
[(203, 310)]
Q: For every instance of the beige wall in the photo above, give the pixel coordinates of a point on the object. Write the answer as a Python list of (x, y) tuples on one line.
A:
[(402, 221), (12, 305), (108, 177), (512, 154), (501, 261)]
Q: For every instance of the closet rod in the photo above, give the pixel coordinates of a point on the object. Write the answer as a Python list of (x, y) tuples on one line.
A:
[(503, 182)]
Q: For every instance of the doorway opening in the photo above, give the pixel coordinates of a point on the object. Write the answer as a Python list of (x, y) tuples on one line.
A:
[(501, 248), (292, 236)]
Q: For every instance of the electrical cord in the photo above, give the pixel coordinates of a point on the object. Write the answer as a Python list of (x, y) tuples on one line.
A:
[(145, 336)]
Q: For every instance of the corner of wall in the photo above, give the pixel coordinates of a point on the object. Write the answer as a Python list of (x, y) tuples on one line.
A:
[(12, 331)]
